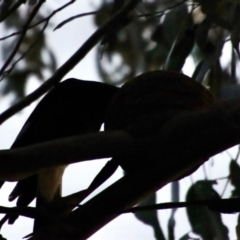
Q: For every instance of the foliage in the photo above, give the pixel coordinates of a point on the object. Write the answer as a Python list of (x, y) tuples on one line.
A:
[(157, 34), (32, 58), (162, 35)]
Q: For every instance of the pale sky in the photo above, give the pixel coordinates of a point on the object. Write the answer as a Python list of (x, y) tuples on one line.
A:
[(64, 42)]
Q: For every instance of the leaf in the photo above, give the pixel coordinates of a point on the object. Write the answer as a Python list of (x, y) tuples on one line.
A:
[(234, 177), (175, 198), (123, 22), (236, 30), (201, 70), (230, 92), (2, 238), (156, 56), (204, 222), (215, 18), (214, 77), (208, 6), (28, 61), (174, 23), (16, 83), (180, 37), (150, 217), (214, 9), (185, 237), (238, 228), (180, 50), (5, 6), (32, 2), (202, 30)]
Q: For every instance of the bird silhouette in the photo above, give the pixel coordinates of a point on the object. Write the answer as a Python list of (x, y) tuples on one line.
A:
[(147, 102), (73, 107)]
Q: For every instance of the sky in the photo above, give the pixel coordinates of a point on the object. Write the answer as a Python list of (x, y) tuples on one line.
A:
[(78, 176)]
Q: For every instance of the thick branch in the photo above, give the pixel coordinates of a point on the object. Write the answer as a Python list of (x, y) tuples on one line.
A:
[(186, 141), (21, 162), (189, 137)]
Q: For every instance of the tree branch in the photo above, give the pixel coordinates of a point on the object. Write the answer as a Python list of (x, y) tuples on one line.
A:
[(22, 162), (71, 62), (191, 136), (187, 138), (44, 20), (24, 31), (186, 141), (226, 205)]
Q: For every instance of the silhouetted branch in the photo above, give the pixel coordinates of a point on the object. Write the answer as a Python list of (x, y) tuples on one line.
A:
[(71, 62), (45, 20), (214, 204), (191, 136), (21, 162), (24, 31), (29, 212), (189, 139), (14, 7), (70, 19), (183, 143)]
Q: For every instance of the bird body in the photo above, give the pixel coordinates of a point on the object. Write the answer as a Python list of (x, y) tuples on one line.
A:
[(141, 107), (147, 102)]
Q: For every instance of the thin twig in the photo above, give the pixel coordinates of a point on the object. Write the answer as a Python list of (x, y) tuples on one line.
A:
[(25, 28), (11, 10), (7, 72), (47, 19), (28, 50), (162, 12), (75, 17), (154, 14), (23, 211), (172, 205), (70, 63)]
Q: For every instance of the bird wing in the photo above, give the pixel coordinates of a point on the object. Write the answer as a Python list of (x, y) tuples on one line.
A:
[(73, 107)]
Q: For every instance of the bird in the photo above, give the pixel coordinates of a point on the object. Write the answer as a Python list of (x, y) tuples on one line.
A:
[(144, 104), (74, 107)]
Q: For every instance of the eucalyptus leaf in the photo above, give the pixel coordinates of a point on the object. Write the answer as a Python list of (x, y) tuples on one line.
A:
[(203, 221)]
